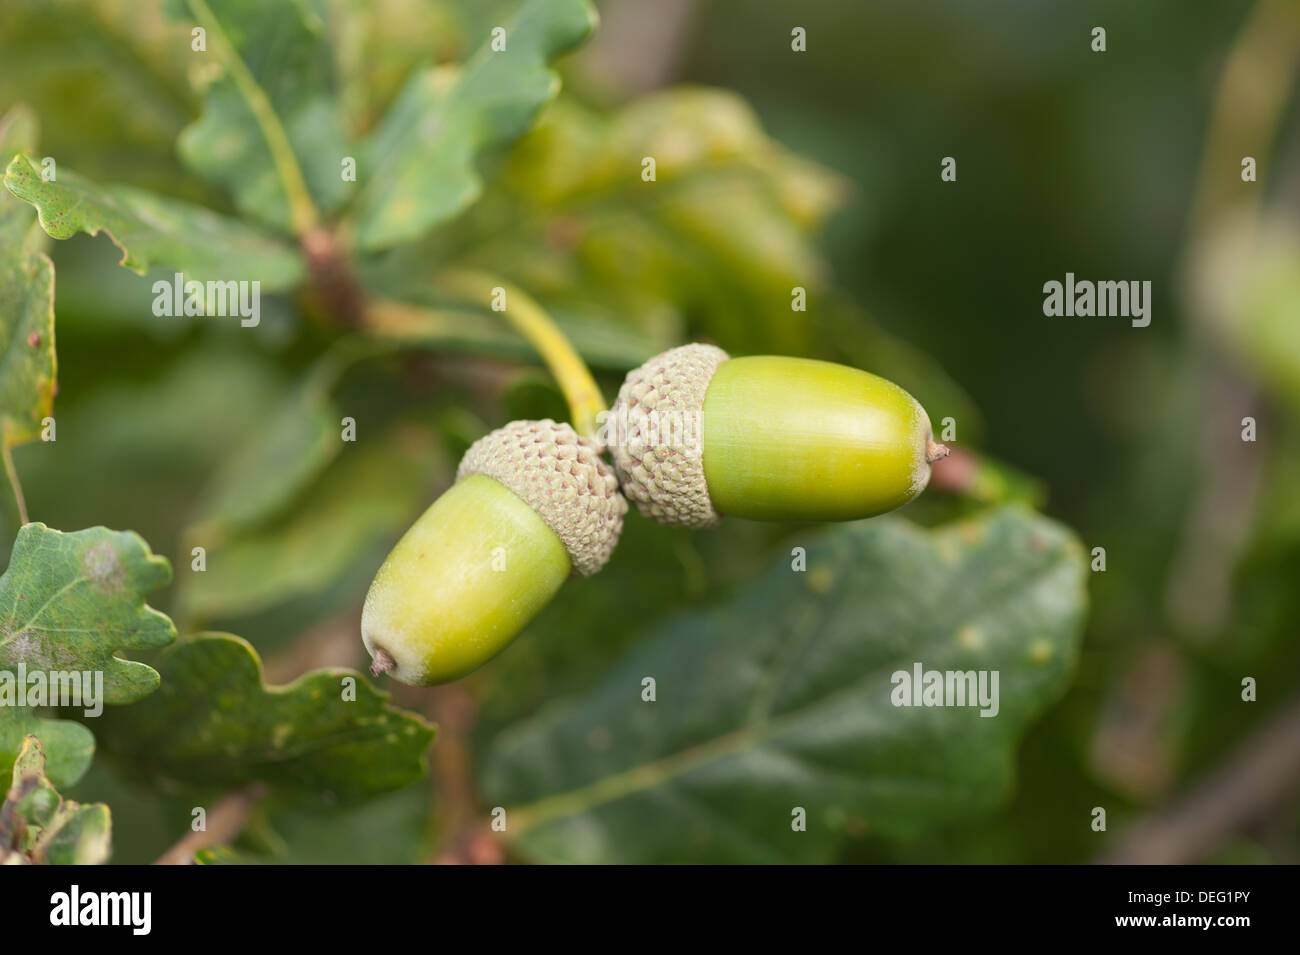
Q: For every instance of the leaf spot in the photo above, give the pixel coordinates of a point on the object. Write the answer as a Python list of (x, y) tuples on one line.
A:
[(103, 568), (820, 580)]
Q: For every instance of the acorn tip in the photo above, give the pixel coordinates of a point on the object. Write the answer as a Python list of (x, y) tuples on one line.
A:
[(934, 451), (382, 662)]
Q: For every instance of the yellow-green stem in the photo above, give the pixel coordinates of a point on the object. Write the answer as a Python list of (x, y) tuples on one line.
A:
[(532, 322)]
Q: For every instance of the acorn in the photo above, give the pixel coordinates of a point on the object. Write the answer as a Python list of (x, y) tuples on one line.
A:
[(696, 434), (533, 504)]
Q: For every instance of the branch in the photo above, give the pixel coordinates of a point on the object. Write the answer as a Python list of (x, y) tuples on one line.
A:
[(466, 838), (225, 822), (1262, 772)]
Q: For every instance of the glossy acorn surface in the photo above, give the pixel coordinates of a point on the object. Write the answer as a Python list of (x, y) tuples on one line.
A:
[(798, 439), (470, 573), (532, 504)]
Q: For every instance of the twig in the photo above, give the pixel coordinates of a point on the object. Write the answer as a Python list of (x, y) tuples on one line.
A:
[(466, 838), (224, 823), (334, 290), (1254, 780)]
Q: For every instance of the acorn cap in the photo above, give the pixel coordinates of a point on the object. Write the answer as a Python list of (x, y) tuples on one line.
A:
[(560, 475), (657, 443)]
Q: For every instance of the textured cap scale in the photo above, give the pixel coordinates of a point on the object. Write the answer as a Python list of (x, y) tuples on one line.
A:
[(657, 444), (560, 475)]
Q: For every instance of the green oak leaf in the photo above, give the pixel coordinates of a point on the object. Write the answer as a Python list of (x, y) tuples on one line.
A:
[(363, 501), (72, 601), (156, 231), (27, 362), (40, 827), (419, 164), (18, 134), (781, 698), (723, 233), (263, 476), (392, 829), (427, 318), (276, 55), (712, 248), (107, 78), (214, 723)]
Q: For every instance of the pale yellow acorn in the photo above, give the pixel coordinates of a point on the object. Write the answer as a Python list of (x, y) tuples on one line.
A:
[(696, 434), (532, 504)]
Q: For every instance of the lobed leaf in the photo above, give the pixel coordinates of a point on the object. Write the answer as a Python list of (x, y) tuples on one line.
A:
[(154, 230), (723, 233), (419, 164), (711, 248), (781, 699), (214, 723), (72, 601), (282, 52)]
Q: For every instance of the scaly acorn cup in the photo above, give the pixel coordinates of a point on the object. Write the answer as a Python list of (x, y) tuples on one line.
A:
[(532, 503), (696, 434)]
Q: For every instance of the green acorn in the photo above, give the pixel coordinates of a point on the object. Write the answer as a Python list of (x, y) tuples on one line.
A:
[(696, 434), (532, 504)]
